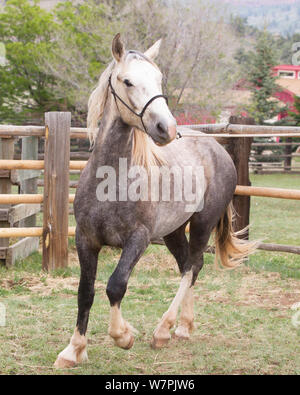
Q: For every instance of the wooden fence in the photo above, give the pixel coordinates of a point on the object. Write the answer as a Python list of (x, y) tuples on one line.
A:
[(263, 159), (57, 165), (20, 214)]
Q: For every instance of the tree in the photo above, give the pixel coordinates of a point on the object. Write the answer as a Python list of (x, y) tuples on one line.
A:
[(26, 32), (263, 81), (52, 58), (239, 24), (296, 114), (196, 62), (83, 49), (196, 57)]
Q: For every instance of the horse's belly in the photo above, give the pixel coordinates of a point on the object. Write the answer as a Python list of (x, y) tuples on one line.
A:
[(169, 218)]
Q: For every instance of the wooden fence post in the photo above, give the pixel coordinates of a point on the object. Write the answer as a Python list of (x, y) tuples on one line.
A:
[(288, 149), (6, 152), (239, 149), (56, 190)]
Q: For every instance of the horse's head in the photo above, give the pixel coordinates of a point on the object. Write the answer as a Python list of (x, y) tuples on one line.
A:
[(136, 85)]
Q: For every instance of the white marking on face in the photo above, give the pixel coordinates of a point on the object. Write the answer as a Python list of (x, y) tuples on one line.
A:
[(146, 80)]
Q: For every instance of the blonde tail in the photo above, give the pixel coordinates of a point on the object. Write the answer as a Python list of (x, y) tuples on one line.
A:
[(231, 250)]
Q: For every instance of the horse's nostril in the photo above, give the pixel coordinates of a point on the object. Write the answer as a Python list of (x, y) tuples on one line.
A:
[(161, 128)]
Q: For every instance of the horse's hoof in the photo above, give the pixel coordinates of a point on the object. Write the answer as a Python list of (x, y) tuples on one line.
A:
[(125, 342), (181, 338), (181, 333), (159, 343), (62, 363), (130, 344)]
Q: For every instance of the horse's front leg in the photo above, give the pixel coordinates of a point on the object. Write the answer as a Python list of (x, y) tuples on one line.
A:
[(134, 247), (76, 351)]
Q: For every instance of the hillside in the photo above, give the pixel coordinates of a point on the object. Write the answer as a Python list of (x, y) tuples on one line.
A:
[(261, 2), (280, 16)]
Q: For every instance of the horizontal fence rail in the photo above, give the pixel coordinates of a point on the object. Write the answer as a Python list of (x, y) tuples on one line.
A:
[(26, 198), (29, 232), (21, 131), (279, 193), (214, 130), (233, 130), (7, 131), (38, 232), (35, 164), (58, 136)]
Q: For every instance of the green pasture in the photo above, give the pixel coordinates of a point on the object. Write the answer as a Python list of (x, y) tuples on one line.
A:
[(243, 318)]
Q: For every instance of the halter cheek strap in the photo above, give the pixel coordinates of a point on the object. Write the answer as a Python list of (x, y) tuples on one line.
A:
[(141, 114)]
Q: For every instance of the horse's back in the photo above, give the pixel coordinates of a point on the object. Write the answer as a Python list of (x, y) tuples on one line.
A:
[(200, 151)]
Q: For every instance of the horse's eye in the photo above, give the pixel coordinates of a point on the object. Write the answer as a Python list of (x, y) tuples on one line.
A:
[(127, 83)]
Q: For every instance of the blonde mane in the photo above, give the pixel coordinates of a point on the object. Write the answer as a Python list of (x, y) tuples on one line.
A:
[(144, 151), (96, 104)]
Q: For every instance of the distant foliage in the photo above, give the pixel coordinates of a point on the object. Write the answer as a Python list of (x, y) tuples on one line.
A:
[(295, 115), (263, 81), (248, 36), (194, 118), (26, 32), (50, 56), (280, 18), (54, 58)]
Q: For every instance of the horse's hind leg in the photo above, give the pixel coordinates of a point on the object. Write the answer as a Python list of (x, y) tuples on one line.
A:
[(186, 319), (134, 247), (178, 245), (199, 236), (76, 350), (189, 257)]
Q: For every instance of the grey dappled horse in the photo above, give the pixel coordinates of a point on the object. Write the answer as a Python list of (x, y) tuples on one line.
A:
[(138, 128)]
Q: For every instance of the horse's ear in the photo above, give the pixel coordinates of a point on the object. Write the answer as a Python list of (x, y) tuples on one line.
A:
[(118, 49), (153, 51)]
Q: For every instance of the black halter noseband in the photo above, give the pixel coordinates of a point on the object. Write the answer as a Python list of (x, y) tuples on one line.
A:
[(141, 114)]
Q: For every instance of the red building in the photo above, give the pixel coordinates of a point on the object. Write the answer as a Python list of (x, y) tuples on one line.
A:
[(289, 86), (289, 81), (287, 71), (240, 96)]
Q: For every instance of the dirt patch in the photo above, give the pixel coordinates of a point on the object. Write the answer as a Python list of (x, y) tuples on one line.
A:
[(46, 285), (163, 262), (263, 290), (269, 291), (73, 258)]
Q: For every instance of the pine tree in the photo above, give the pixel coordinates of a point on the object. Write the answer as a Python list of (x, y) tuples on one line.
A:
[(263, 81), (296, 114)]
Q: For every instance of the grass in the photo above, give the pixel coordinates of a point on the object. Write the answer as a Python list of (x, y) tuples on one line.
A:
[(243, 317), (276, 221)]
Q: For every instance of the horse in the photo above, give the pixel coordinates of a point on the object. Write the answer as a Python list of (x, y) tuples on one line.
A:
[(138, 130)]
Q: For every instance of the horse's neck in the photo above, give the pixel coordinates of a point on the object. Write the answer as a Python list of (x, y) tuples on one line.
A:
[(114, 140)]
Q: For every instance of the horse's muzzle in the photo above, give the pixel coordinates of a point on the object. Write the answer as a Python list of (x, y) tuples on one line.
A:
[(166, 133), (172, 131)]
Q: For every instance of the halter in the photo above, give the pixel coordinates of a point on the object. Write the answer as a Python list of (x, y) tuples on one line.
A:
[(141, 114)]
